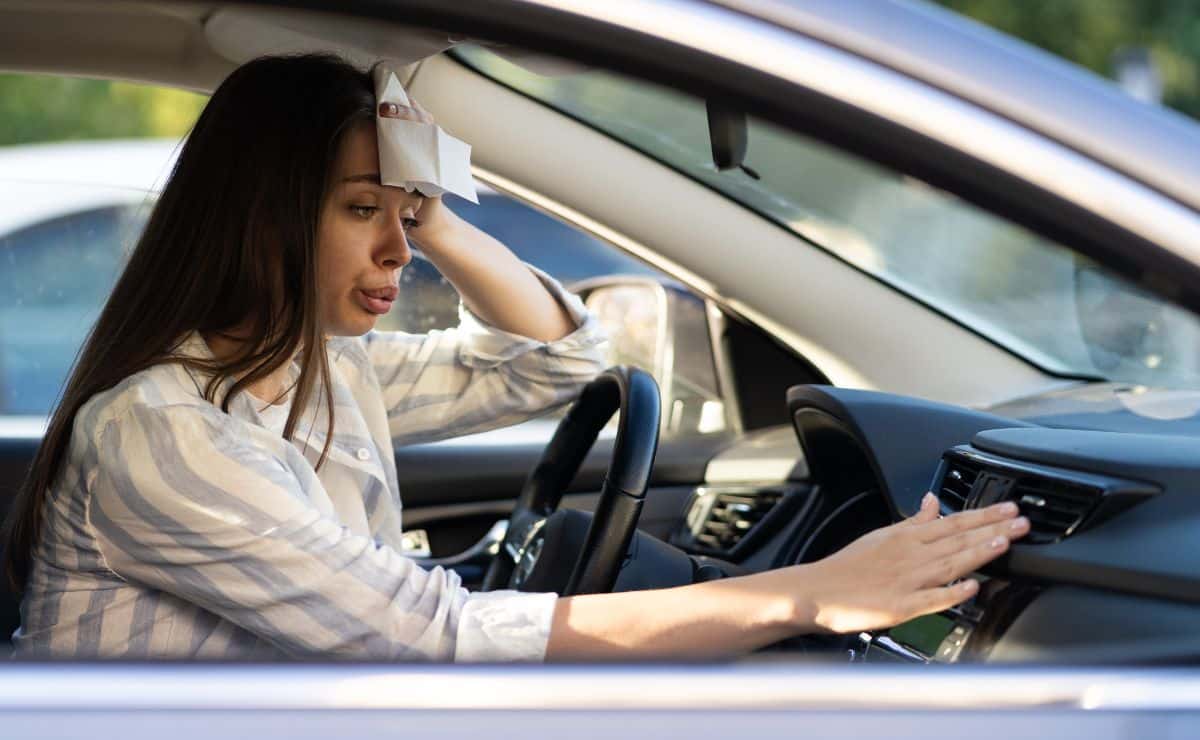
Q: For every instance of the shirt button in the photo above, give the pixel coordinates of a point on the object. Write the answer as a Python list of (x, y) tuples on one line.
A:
[(363, 454)]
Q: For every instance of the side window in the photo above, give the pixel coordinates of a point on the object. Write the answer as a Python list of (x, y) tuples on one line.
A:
[(77, 182), (428, 301), (56, 274), (652, 322)]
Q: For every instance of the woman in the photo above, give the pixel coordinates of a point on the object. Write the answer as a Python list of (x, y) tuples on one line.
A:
[(217, 480)]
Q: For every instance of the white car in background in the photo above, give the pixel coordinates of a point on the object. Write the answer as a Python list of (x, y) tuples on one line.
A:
[(70, 212)]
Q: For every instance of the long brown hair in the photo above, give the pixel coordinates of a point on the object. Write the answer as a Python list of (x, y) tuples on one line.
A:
[(231, 242)]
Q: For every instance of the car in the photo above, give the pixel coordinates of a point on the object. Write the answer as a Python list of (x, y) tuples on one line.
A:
[(902, 255)]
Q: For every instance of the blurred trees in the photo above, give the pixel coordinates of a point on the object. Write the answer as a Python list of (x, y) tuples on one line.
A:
[(48, 108), (1091, 32)]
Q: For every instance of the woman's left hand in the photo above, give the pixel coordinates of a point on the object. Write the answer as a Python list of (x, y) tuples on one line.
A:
[(433, 215)]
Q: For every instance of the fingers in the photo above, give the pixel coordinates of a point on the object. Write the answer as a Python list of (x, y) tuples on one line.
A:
[(930, 600), (421, 109), (928, 512), (1010, 529), (963, 521), (960, 562), (404, 112)]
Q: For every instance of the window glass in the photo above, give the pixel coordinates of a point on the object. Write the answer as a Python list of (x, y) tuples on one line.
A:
[(71, 210), (562, 251), (1037, 298), (664, 332), (55, 277), (80, 161), (428, 301), (41, 108)]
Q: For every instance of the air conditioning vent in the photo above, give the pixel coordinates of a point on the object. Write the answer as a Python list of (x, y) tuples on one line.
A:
[(1055, 508), (1057, 501), (956, 484), (719, 519)]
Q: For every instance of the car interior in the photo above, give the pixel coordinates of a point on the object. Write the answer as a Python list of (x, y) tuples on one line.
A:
[(802, 396)]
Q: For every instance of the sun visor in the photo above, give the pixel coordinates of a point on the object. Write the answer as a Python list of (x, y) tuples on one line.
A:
[(418, 156), (242, 34)]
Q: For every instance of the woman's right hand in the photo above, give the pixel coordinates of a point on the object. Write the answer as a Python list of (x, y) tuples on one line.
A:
[(895, 573), (881, 579)]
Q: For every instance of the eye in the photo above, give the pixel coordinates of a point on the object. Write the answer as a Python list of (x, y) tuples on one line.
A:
[(364, 212)]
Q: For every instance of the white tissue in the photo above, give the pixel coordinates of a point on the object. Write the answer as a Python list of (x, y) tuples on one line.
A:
[(418, 156)]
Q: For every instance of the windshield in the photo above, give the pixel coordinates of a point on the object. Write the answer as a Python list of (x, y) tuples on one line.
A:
[(1054, 307)]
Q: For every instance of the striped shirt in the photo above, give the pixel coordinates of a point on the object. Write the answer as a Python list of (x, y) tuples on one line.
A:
[(177, 530)]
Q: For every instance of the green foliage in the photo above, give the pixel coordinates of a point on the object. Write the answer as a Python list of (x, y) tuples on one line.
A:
[(44, 108), (1090, 32)]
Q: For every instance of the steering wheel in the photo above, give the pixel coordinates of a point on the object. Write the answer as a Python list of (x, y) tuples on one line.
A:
[(635, 394)]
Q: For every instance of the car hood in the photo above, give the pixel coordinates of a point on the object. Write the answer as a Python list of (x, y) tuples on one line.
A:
[(1111, 407)]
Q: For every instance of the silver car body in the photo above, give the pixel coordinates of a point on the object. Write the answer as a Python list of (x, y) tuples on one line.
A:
[(996, 102)]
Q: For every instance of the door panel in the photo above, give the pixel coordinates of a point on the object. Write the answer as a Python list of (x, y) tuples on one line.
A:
[(455, 527), (457, 489), (459, 471)]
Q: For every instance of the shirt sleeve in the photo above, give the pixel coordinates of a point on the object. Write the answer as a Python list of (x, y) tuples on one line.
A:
[(183, 504), (477, 377)]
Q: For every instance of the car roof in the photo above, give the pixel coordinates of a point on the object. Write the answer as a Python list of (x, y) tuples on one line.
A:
[(39, 182), (140, 164), (1043, 92)]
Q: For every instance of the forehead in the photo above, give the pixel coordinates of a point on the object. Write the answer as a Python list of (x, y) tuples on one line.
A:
[(358, 154)]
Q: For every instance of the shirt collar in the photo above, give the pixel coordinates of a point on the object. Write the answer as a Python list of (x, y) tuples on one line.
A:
[(243, 406), (351, 434)]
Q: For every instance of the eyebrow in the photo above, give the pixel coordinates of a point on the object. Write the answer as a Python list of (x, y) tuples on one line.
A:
[(373, 178)]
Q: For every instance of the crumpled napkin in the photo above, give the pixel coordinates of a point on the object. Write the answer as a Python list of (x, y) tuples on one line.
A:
[(418, 156)]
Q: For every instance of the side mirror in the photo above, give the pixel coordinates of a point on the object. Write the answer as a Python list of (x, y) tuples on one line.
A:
[(663, 329), (1118, 322)]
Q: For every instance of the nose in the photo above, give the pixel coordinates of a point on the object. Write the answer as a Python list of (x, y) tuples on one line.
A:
[(393, 251)]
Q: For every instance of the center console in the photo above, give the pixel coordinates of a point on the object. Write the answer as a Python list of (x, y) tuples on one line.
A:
[(966, 632)]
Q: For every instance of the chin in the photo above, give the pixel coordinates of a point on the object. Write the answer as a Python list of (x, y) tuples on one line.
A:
[(352, 326)]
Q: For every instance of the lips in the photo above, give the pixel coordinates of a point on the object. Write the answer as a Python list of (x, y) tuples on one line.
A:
[(377, 300), (386, 293)]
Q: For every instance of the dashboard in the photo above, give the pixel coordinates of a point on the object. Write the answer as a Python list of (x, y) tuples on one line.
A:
[(1110, 571)]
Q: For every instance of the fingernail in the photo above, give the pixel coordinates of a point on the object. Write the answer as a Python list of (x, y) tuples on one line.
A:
[(928, 500), (1019, 524), (968, 585), (1008, 507), (997, 543)]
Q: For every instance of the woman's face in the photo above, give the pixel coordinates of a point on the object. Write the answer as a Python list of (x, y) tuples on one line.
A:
[(361, 240)]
